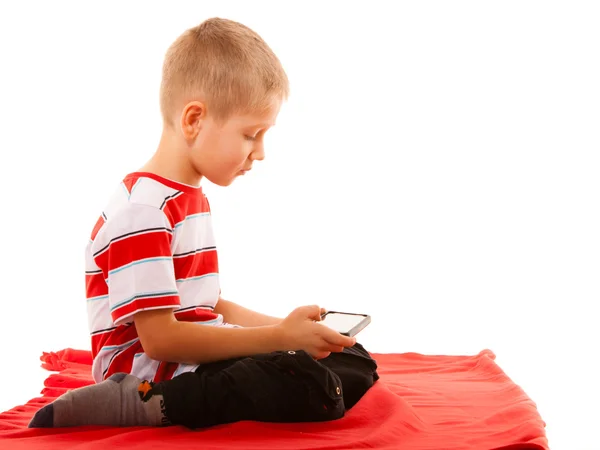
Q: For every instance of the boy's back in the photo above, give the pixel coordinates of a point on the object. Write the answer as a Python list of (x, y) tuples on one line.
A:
[(154, 246)]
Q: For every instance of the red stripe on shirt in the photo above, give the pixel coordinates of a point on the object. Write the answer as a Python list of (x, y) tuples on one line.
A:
[(95, 286), (165, 371), (116, 337), (144, 303), (183, 206), (97, 227), (134, 248), (196, 315), (196, 265)]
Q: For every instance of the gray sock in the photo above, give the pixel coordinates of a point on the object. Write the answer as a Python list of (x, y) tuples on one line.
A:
[(121, 400)]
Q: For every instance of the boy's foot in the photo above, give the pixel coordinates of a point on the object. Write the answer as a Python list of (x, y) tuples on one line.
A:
[(121, 400)]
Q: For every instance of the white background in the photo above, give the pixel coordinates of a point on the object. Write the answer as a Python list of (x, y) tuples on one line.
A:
[(436, 167)]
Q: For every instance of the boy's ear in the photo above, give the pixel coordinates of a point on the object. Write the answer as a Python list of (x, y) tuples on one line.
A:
[(191, 119)]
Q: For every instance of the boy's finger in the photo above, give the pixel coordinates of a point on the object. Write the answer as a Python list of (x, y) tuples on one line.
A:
[(313, 312), (335, 348), (321, 354), (335, 338)]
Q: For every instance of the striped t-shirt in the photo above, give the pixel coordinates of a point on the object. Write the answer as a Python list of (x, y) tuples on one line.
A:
[(152, 247)]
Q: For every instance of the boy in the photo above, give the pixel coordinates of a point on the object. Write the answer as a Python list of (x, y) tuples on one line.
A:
[(166, 348)]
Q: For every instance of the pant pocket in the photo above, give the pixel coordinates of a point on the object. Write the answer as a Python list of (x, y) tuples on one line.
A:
[(323, 391)]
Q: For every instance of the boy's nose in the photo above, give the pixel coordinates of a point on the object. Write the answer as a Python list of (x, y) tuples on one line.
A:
[(258, 154)]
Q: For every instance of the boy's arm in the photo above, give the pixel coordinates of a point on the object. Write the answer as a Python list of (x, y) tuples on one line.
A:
[(238, 315), (164, 338)]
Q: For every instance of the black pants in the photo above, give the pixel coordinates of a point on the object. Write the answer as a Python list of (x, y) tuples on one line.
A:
[(274, 387)]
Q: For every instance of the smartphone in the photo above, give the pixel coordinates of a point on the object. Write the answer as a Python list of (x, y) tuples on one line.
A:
[(348, 324)]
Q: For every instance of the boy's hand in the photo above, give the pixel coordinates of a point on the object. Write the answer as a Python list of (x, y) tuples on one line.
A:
[(301, 331)]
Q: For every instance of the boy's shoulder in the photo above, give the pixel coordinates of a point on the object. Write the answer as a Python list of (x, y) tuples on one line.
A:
[(141, 198), (145, 189), (139, 189)]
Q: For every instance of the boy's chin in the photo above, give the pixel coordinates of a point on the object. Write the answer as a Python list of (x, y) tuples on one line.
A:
[(223, 182)]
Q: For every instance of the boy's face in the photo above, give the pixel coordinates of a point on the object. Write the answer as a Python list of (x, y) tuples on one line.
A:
[(223, 151)]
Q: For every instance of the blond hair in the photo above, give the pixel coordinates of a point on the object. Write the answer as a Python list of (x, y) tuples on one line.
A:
[(226, 65)]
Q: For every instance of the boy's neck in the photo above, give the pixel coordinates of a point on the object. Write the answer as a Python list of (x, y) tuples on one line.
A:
[(171, 161)]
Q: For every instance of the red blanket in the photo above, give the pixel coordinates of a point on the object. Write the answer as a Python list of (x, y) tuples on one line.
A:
[(421, 402)]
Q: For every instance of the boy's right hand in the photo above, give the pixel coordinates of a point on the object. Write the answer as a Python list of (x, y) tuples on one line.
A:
[(300, 330)]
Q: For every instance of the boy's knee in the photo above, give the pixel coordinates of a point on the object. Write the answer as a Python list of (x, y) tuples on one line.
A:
[(324, 399)]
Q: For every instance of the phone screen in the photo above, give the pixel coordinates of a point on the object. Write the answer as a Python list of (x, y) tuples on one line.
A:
[(342, 323)]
